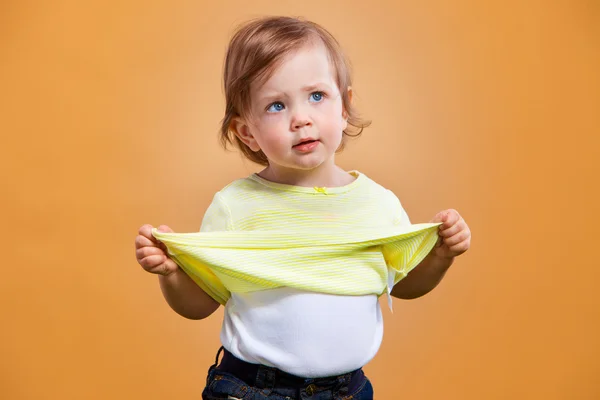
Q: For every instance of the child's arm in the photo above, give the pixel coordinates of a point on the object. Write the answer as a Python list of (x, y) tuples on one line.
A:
[(455, 239), (185, 297), (423, 278), (182, 294)]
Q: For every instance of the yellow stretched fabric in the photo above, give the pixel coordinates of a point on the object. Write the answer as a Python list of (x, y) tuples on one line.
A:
[(346, 262)]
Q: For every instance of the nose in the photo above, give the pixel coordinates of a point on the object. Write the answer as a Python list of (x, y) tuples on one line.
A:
[(300, 119)]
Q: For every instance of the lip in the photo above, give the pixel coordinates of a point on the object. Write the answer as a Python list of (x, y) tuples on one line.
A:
[(306, 146), (305, 140)]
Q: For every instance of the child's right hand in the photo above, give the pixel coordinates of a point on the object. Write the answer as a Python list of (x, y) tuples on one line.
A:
[(151, 254)]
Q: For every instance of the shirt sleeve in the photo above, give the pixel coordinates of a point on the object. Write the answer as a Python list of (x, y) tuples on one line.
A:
[(400, 218), (399, 214), (217, 216)]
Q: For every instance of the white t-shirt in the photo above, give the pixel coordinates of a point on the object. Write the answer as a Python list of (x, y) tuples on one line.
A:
[(303, 333)]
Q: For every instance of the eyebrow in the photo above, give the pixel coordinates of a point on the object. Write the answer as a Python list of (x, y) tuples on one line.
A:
[(309, 88)]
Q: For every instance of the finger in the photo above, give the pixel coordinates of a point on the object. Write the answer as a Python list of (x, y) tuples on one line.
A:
[(148, 251), (452, 230), (457, 238), (142, 241), (461, 247), (451, 217), (439, 217), (146, 231), (165, 268), (165, 228), (151, 262)]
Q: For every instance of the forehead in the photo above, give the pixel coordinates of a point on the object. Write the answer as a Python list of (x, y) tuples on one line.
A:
[(308, 65)]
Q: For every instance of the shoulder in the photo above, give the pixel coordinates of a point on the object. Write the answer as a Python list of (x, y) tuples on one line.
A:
[(239, 188), (386, 199), (226, 202), (375, 189), (240, 193)]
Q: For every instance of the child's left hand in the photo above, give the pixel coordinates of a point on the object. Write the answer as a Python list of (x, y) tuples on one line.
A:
[(455, 236)]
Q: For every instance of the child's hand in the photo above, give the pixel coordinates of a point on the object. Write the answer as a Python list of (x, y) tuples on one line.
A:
[(455, 236), (151, 254)]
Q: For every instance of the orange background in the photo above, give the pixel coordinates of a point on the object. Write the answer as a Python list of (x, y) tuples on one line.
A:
[(109, 117)]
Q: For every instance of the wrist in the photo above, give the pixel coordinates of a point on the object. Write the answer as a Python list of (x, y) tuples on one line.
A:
[(172, 274), (442, 259)]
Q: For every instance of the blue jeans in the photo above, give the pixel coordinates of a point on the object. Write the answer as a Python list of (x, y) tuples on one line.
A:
[(235, 379)]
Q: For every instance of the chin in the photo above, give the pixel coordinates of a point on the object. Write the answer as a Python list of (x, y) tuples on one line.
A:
[(305, 162), (310, 165)]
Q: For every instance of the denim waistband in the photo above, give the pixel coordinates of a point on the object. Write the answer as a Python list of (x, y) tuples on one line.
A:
[(262, 376)]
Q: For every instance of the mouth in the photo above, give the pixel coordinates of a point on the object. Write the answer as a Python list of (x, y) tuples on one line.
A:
[(305, 142)]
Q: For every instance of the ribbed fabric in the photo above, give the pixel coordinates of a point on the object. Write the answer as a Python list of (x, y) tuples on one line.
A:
[(325, 240)]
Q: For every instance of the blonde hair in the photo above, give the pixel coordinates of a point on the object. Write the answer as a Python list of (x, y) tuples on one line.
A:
[(255, 51)]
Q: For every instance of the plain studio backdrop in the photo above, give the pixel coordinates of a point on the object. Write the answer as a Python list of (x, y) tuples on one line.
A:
[(109, 117)]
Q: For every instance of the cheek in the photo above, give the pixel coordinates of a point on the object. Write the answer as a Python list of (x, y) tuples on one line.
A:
[(271, 136), (332, 117)]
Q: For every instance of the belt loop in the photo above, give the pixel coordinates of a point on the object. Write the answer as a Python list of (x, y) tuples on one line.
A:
[(342, 388), (221, 349), (214, 366), (265, 379)]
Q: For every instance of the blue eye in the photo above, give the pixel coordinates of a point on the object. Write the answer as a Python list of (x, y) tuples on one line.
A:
[(276, 107), (316, 96)]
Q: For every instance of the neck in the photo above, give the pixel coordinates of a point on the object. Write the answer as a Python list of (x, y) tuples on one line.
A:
[(325, 175)]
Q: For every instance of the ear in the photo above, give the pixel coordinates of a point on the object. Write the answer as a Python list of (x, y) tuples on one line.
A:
[(241, 129), (344, 112)]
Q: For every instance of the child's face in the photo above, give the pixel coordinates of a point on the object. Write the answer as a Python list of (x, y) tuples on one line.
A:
[(297, 113)]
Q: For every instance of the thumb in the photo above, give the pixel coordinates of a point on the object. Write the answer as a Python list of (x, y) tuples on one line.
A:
[(439, 217), (165, 228)]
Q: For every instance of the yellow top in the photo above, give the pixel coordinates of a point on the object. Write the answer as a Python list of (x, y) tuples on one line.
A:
[(257, 235)]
